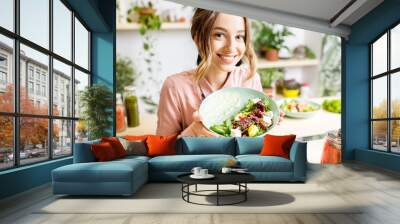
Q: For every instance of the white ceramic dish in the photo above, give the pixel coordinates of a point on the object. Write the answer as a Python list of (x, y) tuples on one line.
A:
[(301, 115), (224, 103), (208, 176)]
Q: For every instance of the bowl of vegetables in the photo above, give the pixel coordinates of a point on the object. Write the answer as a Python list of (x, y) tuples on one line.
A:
[(299, 108), (239, 112)]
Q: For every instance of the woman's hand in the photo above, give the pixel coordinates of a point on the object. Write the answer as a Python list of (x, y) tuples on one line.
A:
[(196, 128)]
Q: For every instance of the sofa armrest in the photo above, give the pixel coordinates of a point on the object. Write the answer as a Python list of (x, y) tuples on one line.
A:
[(298, 155), (83, 152)]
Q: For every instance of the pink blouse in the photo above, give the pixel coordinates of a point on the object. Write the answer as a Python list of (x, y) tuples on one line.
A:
[(181, 96)]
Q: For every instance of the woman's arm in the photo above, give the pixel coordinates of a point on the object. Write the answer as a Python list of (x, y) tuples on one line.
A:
[(196, 128), (169, 114)]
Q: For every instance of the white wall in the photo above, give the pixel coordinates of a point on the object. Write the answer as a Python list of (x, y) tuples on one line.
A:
[(176, 52), (309, 74), (174, 49)]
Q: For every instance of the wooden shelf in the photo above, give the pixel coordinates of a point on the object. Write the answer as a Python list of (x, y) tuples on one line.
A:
[(285, 63), (164, 26)]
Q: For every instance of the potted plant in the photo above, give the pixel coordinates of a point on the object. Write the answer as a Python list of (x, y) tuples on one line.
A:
[(96, 102), (147, 10), (148, 21), (126, 76), (268, 40), (291, 88), (303, 52), (147, 17), (268, 77)]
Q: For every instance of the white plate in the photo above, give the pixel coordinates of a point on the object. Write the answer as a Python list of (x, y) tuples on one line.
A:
[(300, 114), (208, 176), (226, 102)]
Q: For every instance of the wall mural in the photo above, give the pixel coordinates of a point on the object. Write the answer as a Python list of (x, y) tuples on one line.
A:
[(177, 65)]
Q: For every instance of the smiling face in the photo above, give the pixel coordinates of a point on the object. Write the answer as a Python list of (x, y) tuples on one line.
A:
[(227, 42), (222, 41)]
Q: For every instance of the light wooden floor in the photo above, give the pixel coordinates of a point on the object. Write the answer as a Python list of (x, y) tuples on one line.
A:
[(378, 188)]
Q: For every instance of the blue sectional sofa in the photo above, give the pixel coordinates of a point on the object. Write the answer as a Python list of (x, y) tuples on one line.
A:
[(125, 176)]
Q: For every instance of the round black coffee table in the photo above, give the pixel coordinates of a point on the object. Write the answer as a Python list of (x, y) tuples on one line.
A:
[(238, 179)]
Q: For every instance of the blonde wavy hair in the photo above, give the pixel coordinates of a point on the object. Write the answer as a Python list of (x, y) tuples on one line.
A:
[(202, 24)]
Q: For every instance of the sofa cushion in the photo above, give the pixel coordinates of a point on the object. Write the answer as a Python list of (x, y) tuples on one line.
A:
[(116, 145), (134, 147), (257, 163), (83, 152), (103, 152), (275, 145), (206, 145), (185, 163), (111, 171), (161, 145), (133, 158), (136, 137), (249, 145)]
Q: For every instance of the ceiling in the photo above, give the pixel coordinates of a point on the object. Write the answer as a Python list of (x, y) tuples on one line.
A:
[(326, 16), (321, 9)]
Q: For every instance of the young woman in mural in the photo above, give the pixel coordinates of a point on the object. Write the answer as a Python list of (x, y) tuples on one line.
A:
[(226, 59)]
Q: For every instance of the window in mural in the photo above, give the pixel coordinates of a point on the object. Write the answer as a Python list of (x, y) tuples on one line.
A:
[(44, 111)]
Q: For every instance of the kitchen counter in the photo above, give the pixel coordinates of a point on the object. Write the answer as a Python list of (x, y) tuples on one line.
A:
[(321, 123)]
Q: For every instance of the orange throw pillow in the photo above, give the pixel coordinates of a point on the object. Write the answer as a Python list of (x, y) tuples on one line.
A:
[(277, 145), (103, 152), (116, 145), (161, 145), (136, 137)]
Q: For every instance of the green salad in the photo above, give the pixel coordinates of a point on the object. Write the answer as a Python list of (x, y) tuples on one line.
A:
[(252, 120), (334, 105), (298, 106)]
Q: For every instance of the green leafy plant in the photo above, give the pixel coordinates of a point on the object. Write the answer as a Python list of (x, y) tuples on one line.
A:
[(126, 74), (148, 21), (333, 105), (303, 52), (331, 65), (309, 53), (269, 75), (96, 102), (266, 36)]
